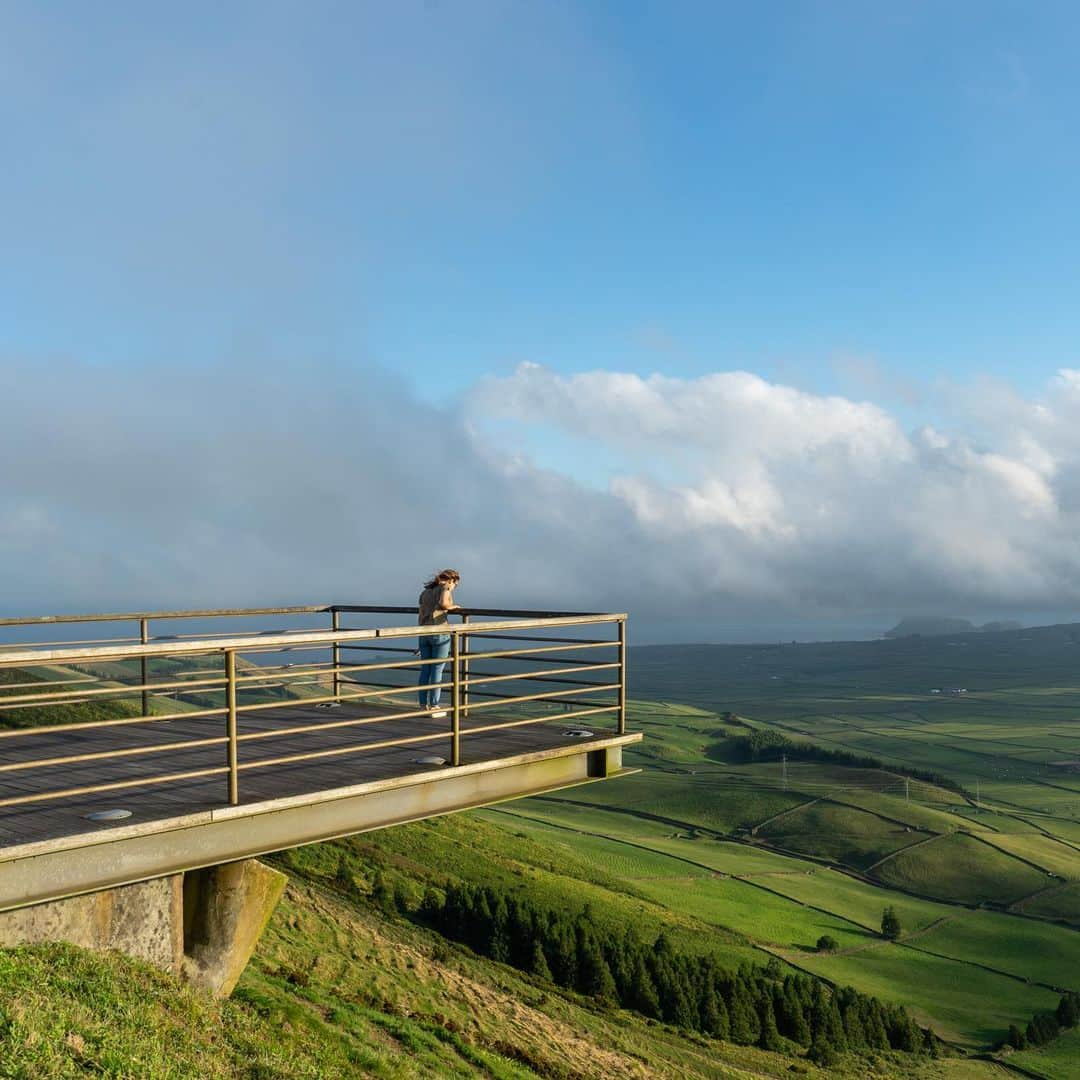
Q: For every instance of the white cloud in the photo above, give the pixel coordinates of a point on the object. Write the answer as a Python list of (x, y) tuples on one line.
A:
[(730, 496), (774, 495)]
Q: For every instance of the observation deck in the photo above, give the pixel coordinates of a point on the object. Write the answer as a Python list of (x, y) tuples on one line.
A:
[(155, 743)]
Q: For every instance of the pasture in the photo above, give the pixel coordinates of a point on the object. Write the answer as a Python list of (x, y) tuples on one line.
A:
[(970, 822)]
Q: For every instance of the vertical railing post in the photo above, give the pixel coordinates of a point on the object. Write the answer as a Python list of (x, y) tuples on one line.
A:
[(455, 715), (335, 625), (464, 667), (622, 676), (144, 637), (230, 704)]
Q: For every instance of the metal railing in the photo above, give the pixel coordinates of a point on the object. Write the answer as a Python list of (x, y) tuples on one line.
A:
[(224, 676)]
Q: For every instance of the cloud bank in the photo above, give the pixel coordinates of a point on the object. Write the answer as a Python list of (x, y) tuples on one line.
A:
[(248, 484)]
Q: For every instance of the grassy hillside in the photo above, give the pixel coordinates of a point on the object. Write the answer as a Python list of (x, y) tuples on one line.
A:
[(338, 989), (783, 853)]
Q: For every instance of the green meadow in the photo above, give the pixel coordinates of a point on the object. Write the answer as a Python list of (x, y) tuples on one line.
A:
[(964, 820)]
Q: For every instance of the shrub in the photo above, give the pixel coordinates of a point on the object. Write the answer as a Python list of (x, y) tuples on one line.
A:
[(890, 923)]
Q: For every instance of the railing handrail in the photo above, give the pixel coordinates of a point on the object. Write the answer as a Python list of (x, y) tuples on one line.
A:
[(259, 642), (228, 646), (512, 613), (297, 609), (135, 616)]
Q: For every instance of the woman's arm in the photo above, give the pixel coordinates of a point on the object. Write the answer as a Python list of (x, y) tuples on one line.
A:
[(446, 600)]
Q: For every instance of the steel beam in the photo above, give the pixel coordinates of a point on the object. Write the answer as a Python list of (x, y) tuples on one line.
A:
[(73, 865)]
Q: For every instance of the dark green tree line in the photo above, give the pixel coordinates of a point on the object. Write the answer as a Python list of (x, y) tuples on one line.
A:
[(751, 1005)]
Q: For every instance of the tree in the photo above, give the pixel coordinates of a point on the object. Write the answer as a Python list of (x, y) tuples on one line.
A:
[(1068, 1010), (643, 996), (769, 1037), (1016, 1038), (1042, 1028), (821, 1053), (714, 1015), (538, 964), (826, 943), (890, 923)]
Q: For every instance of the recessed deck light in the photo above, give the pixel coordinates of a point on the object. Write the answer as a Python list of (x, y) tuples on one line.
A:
[(578, 733), (431, 759), (108, 815)]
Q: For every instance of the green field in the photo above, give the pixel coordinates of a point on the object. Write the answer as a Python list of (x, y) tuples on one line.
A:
[(783, 905), (971, 1006), (966, 820), (1058, 1061), (961, 868)]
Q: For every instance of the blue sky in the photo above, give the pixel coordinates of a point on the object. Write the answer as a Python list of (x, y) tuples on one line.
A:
[(452, 187), (876, 201)]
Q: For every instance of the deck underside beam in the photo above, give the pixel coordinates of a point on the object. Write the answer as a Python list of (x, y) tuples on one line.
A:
[(74, 865)]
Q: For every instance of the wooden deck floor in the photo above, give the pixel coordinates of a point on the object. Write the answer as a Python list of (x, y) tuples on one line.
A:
[(59, 817)]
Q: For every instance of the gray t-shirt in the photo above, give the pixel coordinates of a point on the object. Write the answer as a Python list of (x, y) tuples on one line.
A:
[(433, 603)]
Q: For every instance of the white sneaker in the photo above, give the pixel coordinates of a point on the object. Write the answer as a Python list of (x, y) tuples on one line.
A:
[(439, 714)]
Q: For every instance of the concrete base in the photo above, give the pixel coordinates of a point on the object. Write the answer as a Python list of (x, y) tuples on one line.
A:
[(142, 920), (202, 925), (226, 909)]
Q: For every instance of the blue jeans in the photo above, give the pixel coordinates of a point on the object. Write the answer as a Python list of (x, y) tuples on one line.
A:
[(432, 647)]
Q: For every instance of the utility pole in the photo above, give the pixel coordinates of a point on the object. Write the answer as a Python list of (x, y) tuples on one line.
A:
[(907, 789), (978, 798), (783, 767)]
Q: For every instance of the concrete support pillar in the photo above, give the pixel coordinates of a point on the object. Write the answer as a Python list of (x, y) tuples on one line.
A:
[(226, 909), (142, 920), (202, 925)]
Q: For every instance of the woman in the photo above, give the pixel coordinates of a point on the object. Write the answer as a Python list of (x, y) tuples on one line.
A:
[(436, 602)]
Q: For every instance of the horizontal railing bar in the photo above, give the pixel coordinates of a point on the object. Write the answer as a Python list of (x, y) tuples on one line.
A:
[(387, 743), (493, 694), (47, 682), (324, 665), (81, 657), (530, 637), (245, 643), (191, 774), (74, 697), (36, 620), (301, 729), (473, 681), (570, 646), (98, 755), (74, 641), (374, 609), (377, 648), (329, 725), (541, 697), (208, 685), (313, 754), (250, 633), (479, 629), (540, 659), (473, 656), (305, 702), (94, 789), (559, 718), (250, 644), (123, 721), (330, 669), (564, 682), (505, 613)]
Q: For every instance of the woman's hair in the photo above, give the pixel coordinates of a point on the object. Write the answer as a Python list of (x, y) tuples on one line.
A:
[(442, 577)]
